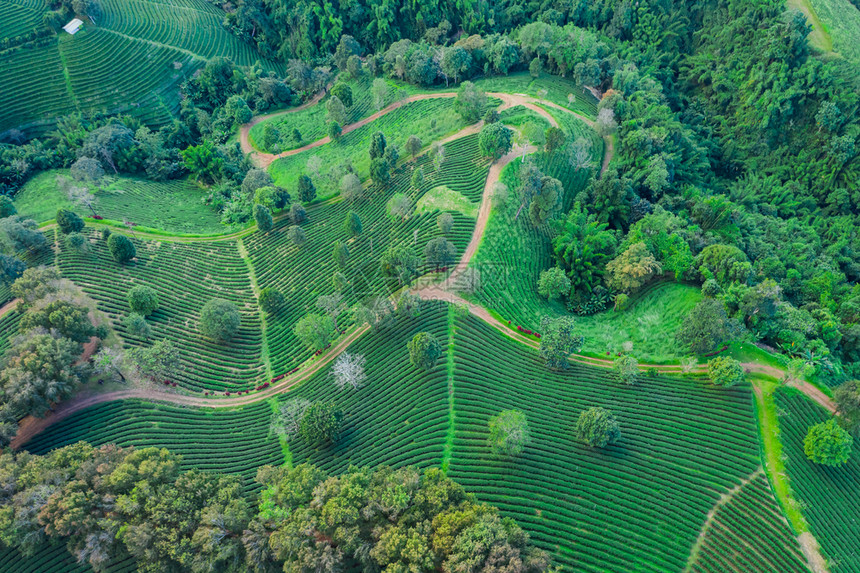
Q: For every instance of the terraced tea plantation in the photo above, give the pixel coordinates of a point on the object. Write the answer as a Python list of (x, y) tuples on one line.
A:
[(132, 61), (186, 276), (749, 533), (304, 273), (828, 496), (635, 505)]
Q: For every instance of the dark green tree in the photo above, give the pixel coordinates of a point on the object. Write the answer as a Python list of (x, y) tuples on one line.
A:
[(142, 299), (69, 222), (495, 140), (271, 300), (558, 340), (321, 423), (307, 190), (220, 320), (424, 350), (263, 217), (725, 371), (509, 433), (121, 248), (597, 428), (706, 327), (352, 224), (377, 145)]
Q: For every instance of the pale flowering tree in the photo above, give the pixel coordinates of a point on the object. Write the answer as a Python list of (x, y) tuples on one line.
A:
[(348, 370), (286, 421)]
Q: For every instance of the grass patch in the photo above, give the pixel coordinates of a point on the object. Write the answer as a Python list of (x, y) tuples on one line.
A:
[(428, 119), (174, 206), (443, 198), (839, 21)]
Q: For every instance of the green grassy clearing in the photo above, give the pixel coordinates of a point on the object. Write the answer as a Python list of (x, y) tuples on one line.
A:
[(443, 198), (557, 89), (839, 21), (174, 206), (428, 119), (313, 121)]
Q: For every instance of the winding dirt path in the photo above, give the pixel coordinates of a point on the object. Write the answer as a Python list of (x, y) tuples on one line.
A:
[(263, 160), (31, 426)]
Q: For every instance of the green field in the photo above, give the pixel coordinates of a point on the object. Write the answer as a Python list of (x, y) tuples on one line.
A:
[(302, 274), (827, 496), (19, 17), (841, 21), (186, 276), (414, 118), (313, 121), (637, 505), (133, 62), (174, 206), (749, 534), (558, 89)]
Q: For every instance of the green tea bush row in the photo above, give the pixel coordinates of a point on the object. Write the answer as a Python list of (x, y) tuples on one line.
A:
[(638, 504), (303, 273), (750, 534), (186, 276), (231, 441), (827, 495)]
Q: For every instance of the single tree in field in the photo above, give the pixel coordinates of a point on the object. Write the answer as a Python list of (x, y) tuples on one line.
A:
[(445, 222), (632, 269), (348, 370), (437, 154), (343, 92), (69, 222), (315, 331), (558, 339), (296, 235), (626, 369), (401, 262), (380, 171), (377, 145), (354, 67), (553, 283), (77, 242), (263, 218), (706, 327), (272, 197), (352, 224), (379, 91), (847, 398), (271, 300), (495, 140), (307, 190), (440, 252), (418, 178), (535, 68), (471, 102), (725, 371), (298, 214), (159, 361), (555, 139), (414, 145), (143, 300), (509, 433), (579, 154), (424, 350), (828, 444), (334, 131), (136, 325), (399, 207), (377, 312), (350, 187), (321, 423), (332, 305), (340, 254), (336, 110), (289, 417), (121, 248), (80, 196), (109, 362), (89, 171), (219, 320), (597, 428)]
